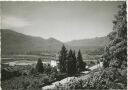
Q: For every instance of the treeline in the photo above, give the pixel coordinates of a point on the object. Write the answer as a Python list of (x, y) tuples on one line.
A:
[(97, 51), (70, 63)]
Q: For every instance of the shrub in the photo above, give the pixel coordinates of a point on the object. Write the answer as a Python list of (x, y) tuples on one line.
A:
[(25, 84), (39, 66)]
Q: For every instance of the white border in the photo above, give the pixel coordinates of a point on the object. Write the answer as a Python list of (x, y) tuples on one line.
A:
[(63, 0), (68, 0)]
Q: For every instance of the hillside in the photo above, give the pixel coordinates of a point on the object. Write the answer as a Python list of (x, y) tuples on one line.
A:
[(13, 42), (98, 41)]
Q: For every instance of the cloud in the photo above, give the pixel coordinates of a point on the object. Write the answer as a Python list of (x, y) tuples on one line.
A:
[(13, 22)]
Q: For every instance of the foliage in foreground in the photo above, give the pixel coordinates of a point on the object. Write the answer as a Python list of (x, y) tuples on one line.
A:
[(31, 82), (115, 54), (109, 78)]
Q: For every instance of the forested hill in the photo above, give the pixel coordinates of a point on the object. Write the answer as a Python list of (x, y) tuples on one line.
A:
[(14, 42)]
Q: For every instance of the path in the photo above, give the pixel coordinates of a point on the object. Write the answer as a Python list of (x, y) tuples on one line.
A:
[(94, 67), (62, 82), (66, 80)]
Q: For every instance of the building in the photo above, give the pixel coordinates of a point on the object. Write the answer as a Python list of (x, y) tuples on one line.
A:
[(54, 63)]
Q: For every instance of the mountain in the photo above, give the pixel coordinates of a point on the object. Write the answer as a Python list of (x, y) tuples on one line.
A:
[(93, 42), (14, 42)]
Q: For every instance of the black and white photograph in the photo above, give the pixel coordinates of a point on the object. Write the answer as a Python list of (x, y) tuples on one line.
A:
[(63, 45)]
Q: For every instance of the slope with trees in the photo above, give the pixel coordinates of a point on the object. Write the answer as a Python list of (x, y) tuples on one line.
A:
[(113, 75)]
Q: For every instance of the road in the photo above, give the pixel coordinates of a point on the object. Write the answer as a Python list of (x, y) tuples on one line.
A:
[(94, 67), (62, 82)]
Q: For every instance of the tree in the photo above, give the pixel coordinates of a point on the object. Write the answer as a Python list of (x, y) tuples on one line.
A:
[(39, 66), (80, 63), (116, 53), (71, 63), (33, 71), (107, 58), (62, 59), (48, 69), (74, 62)]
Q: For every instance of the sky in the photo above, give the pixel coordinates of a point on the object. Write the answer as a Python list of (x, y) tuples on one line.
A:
[(64, 21)]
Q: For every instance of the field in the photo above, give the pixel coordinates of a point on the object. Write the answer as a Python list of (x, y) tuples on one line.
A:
[(10, 58)]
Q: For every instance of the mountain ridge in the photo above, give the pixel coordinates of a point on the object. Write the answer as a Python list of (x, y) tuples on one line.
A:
[(100, 41), (15, 42)]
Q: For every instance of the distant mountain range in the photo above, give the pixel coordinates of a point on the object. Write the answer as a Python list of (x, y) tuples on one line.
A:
[(14, 42), (98, 41)]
